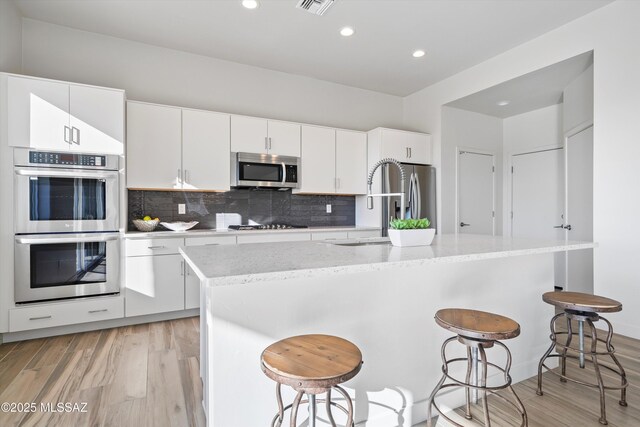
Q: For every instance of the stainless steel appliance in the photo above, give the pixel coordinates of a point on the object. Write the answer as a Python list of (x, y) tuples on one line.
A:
[(265, 227), (420, 194), (264, 170), (56, 266), (64, 192)]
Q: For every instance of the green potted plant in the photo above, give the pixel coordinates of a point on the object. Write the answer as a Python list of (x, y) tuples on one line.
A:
[(411, 232)]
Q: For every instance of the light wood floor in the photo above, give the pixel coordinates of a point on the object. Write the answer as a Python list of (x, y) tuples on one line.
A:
[(148, 375), (143, 375)]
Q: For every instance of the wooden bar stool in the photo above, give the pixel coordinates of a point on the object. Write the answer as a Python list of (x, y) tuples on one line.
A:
[(477, 330), (312, 365), (584, 308)]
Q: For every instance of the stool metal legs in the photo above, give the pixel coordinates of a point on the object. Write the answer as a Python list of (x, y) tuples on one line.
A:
[(589, 318), (312, 401), (479, 385)]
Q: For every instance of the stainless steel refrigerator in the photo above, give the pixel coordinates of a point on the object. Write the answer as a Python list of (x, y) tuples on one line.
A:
[(420, 194)]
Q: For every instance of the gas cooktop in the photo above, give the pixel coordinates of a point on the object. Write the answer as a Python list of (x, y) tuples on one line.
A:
[(265, 227)]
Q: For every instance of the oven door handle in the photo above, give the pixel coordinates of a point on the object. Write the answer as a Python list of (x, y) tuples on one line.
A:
[(284, 173), (66, 173), (45, 240)]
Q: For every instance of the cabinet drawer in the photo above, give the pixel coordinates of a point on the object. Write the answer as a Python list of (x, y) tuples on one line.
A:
[(211, 240), (359, 234), (142, 247), (329, 235), (65, 313), (266, 238)]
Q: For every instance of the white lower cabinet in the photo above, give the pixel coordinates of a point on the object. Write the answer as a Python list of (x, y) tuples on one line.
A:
[(155, 284), (331, 235), (361, 234), (65, 313), (191, 281), (271, 238)]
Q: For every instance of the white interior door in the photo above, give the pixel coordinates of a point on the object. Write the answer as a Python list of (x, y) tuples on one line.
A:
[(475, 193), (537, 201), (579, 209)]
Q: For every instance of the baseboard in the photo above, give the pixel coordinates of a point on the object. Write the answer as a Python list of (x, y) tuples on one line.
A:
[(94, 326)]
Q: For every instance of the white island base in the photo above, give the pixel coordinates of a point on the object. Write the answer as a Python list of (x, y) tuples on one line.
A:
[(387, 312)]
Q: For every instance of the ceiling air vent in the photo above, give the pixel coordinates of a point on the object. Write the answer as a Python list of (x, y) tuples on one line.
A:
[(317, 7)]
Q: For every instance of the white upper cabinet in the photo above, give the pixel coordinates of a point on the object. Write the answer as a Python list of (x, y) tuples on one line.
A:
[(262, 136), (334, 161), (318, 160), (174, 148), (38, 113), (407, 147), (205, 150), (351, 162), (96, 120), (154, 149), (284, 138), (51, 115), (249, 135)]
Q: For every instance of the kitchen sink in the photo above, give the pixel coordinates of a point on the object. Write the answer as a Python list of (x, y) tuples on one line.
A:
[(360, 242)]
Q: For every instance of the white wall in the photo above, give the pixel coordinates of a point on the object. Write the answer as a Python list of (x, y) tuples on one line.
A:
[(155, 74), (10, 37), (578, 101), (612, 32), (530, 131), (461, 128)]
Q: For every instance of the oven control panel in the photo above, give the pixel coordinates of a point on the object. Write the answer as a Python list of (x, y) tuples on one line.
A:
[(69, 159)]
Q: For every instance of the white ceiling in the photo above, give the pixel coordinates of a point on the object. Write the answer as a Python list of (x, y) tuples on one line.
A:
[(456, 34), (538, 89)]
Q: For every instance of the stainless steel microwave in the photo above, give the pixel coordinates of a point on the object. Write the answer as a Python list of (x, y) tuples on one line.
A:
[(264, 170)]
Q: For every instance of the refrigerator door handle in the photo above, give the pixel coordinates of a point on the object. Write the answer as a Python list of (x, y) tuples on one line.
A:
[(408, 212), (418, 198)]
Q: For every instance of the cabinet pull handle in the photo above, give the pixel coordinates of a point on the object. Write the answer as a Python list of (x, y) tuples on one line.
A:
[(410, 153), (40, 318), (153, 248), (75, 131), (266, 143), (67, 131), (179, 176), (186, 175), (211, 244), (269, 143), (182, 268), (102, 310)]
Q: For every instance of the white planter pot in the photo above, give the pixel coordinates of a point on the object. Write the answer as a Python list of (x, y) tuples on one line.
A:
[(422, 237)]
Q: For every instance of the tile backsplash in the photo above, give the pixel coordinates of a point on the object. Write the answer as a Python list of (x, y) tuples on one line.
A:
[(260, 205)]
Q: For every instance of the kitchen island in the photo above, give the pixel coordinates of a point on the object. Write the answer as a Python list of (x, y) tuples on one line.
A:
[(382, 298)]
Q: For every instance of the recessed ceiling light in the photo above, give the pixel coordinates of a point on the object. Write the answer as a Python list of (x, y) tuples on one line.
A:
[(250, 4), (418, 53), (503, 103), (347, 31)]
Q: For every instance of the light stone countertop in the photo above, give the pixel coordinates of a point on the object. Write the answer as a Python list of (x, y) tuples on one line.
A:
[(255, 262), (202, 233)]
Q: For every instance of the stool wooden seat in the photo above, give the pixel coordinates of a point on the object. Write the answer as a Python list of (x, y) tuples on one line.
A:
[(477, 324), (582, 302), (311, 365), (309, 362), (583, 309), (477, 331)]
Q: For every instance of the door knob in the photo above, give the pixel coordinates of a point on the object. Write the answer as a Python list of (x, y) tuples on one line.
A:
[(463, 224), (566, 227)]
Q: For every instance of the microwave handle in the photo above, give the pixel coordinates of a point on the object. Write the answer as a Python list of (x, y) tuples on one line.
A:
[(284, 173), (65, 173), (43, 240)]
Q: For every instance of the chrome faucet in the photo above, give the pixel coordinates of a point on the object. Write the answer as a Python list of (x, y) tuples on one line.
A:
[(370, 183)]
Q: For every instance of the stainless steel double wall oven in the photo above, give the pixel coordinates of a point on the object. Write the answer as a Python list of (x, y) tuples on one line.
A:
[(66, 220)]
